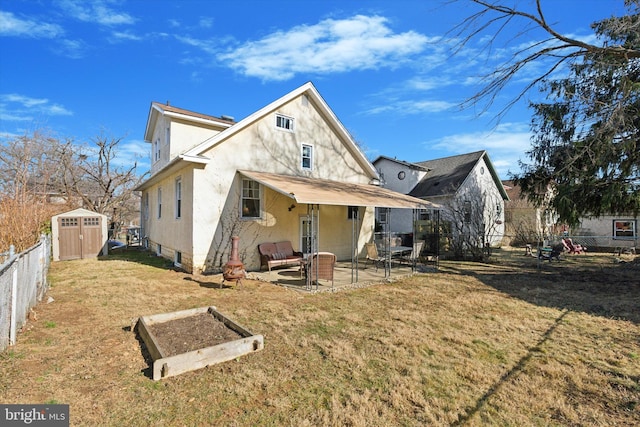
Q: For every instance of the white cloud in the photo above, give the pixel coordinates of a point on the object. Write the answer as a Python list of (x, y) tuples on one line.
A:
[(506, 145), (10, 25), (331, 46), (15, 107), (124, 36), (205, 22), (414, 106), (97, 11), (133, 150), (73, 49)]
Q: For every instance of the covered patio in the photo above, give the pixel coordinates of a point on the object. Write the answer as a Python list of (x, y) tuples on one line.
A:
[(291, 277), (352, 272)]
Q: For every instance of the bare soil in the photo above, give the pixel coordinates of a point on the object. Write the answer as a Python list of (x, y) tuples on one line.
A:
[(191, 333)]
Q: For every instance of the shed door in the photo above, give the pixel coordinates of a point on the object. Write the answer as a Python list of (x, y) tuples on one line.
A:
[(91, 240), (79, 237)]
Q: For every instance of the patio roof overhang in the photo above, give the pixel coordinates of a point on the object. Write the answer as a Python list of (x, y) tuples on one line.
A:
[(327, 192)]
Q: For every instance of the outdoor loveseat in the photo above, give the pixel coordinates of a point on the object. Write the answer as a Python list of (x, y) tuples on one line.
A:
[(278, 254)]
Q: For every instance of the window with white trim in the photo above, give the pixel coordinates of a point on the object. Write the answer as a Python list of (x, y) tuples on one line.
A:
[(284, 122), (159, 202), (251, 199), (178, 205), (156, 150), (624, 229), (307, 156)]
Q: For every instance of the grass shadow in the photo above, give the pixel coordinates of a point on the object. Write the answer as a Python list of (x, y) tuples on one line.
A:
[(139, 256), (591, 283)]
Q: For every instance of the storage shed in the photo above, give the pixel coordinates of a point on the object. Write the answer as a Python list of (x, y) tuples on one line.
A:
[(79, 234)]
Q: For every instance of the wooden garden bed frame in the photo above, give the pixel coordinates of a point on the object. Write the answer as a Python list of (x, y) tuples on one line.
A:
[(167, 366)]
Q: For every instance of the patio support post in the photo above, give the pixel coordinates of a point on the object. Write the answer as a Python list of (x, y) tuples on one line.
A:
[(387, 243), (355, 234), (414, 255), (313, 212)]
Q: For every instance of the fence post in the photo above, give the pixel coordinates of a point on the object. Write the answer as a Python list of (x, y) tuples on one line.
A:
[(14, 303)]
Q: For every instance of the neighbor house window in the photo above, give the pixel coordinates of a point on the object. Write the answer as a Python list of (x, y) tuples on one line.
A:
[(159, 203), (284, 122), (250, 199), (167, 138), (624, 229), (467, 211), (381, 213), (179, 198), (178, 259), (307, 156), (156, 150)]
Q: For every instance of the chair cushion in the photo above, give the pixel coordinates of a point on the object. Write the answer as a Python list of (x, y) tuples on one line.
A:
[(284, 248)]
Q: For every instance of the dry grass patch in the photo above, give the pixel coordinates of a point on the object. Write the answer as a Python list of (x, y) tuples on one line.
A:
[(506, 343)]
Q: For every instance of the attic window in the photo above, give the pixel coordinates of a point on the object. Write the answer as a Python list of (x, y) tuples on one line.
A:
[(402, 175), (284, 122)]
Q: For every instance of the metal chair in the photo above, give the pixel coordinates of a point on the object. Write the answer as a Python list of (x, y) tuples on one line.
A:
[(415, 253), (372, 255)]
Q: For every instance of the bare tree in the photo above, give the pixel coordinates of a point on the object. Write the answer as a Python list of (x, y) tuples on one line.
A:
[(28, 167), (554, 49), (41, 175), (586, 130), (93, 175), (474, 217)]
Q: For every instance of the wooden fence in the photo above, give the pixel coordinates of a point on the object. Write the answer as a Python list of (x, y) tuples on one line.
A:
[(23, 283)]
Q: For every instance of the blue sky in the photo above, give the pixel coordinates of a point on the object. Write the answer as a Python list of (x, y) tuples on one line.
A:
[(79, 68)]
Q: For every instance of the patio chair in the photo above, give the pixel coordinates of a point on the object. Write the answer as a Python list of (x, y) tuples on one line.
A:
[(415, 253), (372, 255), (321, 267), (573, 248)]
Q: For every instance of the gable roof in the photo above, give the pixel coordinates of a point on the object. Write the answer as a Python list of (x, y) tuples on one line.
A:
[(447, 174), (157, 109), (312, 93), (415, 166), (195, 154)]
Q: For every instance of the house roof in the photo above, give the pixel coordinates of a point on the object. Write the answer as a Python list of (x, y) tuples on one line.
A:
[(180, 113), (312, 93), (415, 166), (447, 174), (326, 192)]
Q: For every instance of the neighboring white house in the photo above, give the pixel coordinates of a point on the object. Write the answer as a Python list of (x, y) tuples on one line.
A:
[(466, 186), (608, 231), (265, 178)]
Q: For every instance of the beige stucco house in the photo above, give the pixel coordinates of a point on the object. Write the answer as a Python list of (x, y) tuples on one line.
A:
[(290, 171)]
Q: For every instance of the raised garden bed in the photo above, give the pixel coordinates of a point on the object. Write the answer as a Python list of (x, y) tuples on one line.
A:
[(187, 340)]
